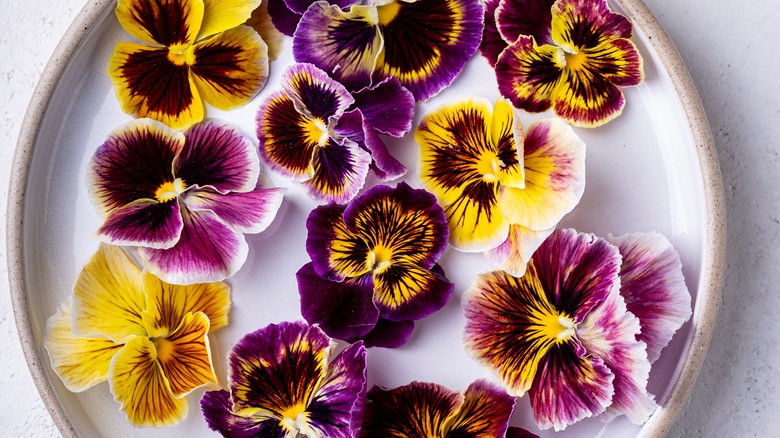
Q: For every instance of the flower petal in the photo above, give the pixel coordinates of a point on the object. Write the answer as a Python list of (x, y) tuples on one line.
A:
[(492, 44), (221, 15), (250, 212), (387, 334), (138, 383), (528, 75), (108, 297), (145, 223), (165, 22), (230, 68), (336, 251), (386, 106), (519, 432), (587, 99), (217, 411), (113, 179), (415, 410), (554, 162), (654, 288), (619, 61), (262, 22), (403, 291), (525, 17), (285, 20), (168, 304), (340, 171), (485, 412), (148, 84), (343, 44), (513, 255), (185, 357), (81, 363), (427, 42), (352, 125), (580, 24), (300, 6), (344, 310), (207, 251), (315, 94)]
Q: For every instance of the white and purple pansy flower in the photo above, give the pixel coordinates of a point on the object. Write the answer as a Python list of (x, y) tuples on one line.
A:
[(283, 383), (315, 131), (563, 332), (185, 199), (373, 270)]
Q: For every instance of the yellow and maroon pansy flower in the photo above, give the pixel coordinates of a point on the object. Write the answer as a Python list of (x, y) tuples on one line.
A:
[(191, 51), (574, 63), (283, 383), (503, 191), (563, 332), (373, 269), (146, 337), (424, 43), (185, 199)]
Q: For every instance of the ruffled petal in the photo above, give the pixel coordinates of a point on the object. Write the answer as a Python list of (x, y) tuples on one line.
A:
[(427, 42), (415, 410), (344, 310), (219, 155), (403, 291), (145, 223), (249, 212), (352, 125), (554, 162), (581, 24), (168, 304), (113, 178), (80, 362), (230, 68), (485, 412), (343, 44), (528, 75), (387, 334), (386, 106), (217, 411), (149, 84), (513, 255), (285, 20), (138, 383), (262, 22), (340, 171), (166, 22), (654, 288), (315, 94), (525, 17), (336, 251), (185, 357), (221, 15), (207, 251), (108, 297)]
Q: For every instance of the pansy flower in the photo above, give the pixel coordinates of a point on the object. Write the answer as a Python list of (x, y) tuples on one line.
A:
[(283, 383), (431, 410), (424, 43), (315, 131), (191, 51), (186, 199), (373, 269), (573, 63), (146, 337), (563, 333), (503, 191)]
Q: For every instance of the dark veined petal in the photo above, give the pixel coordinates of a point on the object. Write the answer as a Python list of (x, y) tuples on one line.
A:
[(248, 212), (148, 83), (138, 383), (230, 68), (654, 288), (583, 24), (207, 251), (185, 357), (387, 107), (113, 179), (221, 15), (492, 44), (485, 412), (163, 22), (513, 255), (619, 61), (403, 291), (528, 74), (585, 98), (352, 125), (427, 42), (262, 22), (415, 410), (525, 17), (315, 94), (336, 251), (218, 155), (387, 334), (285, 20), (217, 411), (343, 44), (344, 310), (340, 171), (145, 223)]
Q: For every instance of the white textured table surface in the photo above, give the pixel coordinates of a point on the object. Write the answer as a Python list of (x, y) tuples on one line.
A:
[(730, 48)]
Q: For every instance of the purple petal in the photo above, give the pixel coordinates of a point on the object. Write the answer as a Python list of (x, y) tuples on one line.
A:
[(579, 24), (388, 334), (315, 93), (654, 288), (519, 432), (485, 412), (217, 410), (249, 212), (218, 155), (387, 107), (492, 44), (344, 310), (207, 251), (336, 252), (285, 20), (352, 126), (528, 75), (525, 17), (149, 224), (339, 172), (407, 292), (300, 6)]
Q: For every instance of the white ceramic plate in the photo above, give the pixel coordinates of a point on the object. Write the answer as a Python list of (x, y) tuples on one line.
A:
[(654, 168)]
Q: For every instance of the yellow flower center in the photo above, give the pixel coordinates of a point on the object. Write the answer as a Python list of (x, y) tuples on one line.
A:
[(316, 132), (180, 54), (556, 327), (170, 190), (388, 12), (164, 348), (380, 259), (488, 166), (575, 61)]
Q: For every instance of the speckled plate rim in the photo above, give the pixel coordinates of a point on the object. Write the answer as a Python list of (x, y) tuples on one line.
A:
[(713, 259)]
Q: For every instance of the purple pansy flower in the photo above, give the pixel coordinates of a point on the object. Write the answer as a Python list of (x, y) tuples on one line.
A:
[(283, 383), (185, 199), (373, 269)]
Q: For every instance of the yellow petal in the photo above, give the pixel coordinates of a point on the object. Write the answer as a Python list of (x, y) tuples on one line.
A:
[(506, 132), (162, 22), (221, 15), (80, 362), (261, 22), (138, 383), (108, 297), (185, 356), (167, 304)]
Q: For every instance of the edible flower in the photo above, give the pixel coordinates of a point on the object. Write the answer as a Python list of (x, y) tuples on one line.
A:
[(563, 332), (193, 50), (572, 58), (424, 43), (373, 270), (146, 337), (283, 383), (315, 131), (185, 199), (431, 410), (503, 191), (285, 14)]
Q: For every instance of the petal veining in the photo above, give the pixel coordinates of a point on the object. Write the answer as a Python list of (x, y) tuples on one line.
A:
[(485, 412), (528, 74), (184, 355), (247, 212), (163, 22)]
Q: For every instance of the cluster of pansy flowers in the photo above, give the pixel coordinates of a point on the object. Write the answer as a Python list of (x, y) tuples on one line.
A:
[(572, 319)]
